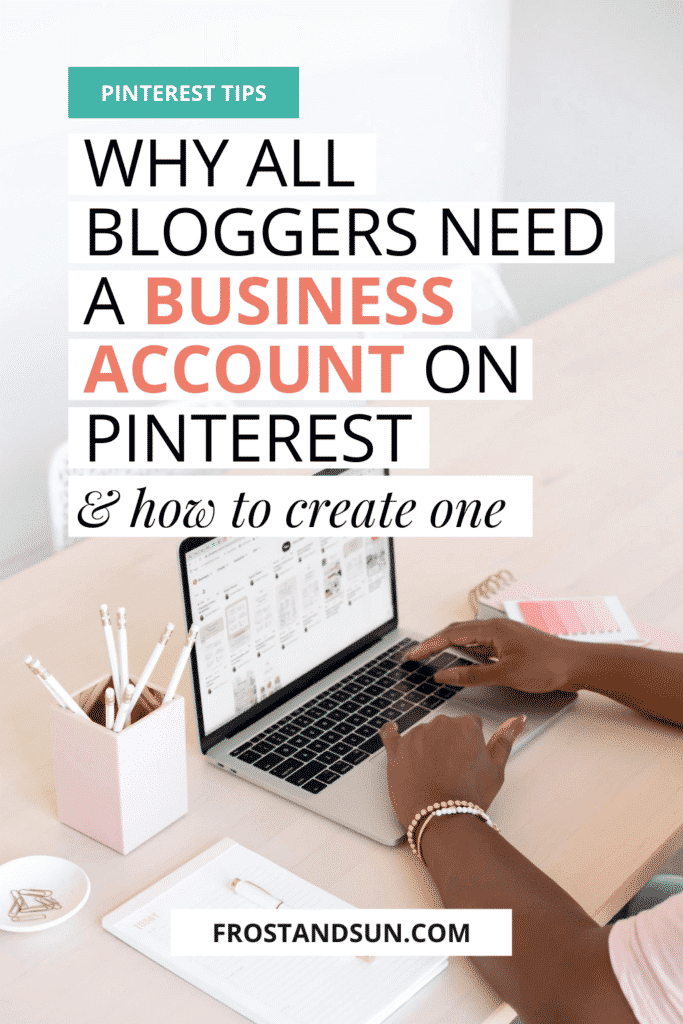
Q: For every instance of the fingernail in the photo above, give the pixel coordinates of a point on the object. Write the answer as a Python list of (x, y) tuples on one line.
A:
[(512, 727), (388, 727), (515, 726)]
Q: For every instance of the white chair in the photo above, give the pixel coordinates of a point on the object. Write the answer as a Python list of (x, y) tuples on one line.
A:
[(57, 480), (493, 311), (58, 492)]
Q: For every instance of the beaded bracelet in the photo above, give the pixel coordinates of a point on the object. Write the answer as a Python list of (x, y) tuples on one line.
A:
[(437, 809), (477, 811)]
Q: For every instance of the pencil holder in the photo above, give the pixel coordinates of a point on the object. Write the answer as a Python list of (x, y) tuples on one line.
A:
[(120, 788)]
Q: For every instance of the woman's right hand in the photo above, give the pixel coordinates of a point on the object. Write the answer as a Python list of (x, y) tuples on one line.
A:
[(526, 658)]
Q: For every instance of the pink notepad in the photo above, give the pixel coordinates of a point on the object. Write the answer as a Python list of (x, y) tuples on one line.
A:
[(495, 591), (593, 619)]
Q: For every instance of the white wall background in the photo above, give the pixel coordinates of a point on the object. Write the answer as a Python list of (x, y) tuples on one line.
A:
[(594, 97), (595, 112)]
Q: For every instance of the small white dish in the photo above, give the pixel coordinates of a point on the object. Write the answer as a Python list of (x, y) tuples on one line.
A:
[(69, 884)]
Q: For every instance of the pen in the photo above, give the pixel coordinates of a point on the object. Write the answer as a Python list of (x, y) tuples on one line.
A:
[(255, 894), (182, 662), (262, 898), (149, 667), (111, 650), (123, 708), (28, 660), (56, 688), (109, 699), (123, 651)]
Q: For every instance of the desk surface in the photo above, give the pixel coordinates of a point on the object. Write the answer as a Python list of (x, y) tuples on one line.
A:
[(597, 802)]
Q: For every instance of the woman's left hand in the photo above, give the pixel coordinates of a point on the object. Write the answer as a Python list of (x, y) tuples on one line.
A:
[(446, 759)]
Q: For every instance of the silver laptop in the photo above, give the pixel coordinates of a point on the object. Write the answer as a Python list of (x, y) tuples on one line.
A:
[(299, 662)]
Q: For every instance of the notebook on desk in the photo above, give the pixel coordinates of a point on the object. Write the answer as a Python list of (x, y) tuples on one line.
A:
[(267, 990), (595, 619)]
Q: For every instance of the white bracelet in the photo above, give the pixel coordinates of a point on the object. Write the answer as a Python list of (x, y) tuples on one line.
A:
[(464, 807), (468, 810)]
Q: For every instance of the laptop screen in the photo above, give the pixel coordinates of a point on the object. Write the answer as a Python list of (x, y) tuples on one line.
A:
[(275, 614)]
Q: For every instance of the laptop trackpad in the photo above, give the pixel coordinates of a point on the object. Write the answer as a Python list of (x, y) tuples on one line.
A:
[(495, 704)]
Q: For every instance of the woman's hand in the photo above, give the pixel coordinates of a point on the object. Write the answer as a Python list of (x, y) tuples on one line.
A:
[(446, 759), (527, 659), (560, 966), (649, 681)]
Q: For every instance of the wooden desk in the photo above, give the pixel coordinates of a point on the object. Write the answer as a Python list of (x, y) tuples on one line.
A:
[(597, 802)]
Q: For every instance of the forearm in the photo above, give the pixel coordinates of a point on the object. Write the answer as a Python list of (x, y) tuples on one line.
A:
[(559, 969), (650, 682)]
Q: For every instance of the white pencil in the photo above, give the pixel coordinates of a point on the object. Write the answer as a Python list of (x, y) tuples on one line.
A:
[(109, 712), (57, 688), (28, 661), (182, 662), (149, 667), (123, 708), (111, 649), (123, 652)]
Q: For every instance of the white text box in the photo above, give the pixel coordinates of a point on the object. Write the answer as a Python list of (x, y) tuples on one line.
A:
[(245, 232), (233, 164), (352, 932), (401, 370), (199, 437), (316, 506), (211, 301)]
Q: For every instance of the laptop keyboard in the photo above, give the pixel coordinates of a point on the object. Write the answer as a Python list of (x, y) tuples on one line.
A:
[(332, 733)]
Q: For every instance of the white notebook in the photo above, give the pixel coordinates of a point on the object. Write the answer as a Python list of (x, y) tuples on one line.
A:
[(267, 990)]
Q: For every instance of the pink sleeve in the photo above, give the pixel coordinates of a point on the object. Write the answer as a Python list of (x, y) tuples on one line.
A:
[(646, 952)]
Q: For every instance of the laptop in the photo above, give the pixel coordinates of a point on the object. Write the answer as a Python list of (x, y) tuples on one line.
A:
[(299, 661)]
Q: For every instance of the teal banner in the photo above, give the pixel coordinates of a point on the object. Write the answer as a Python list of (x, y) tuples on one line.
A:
[(183, 92)]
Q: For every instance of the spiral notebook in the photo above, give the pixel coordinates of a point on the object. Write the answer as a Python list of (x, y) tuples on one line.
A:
[(486, 599), (267, 990)]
